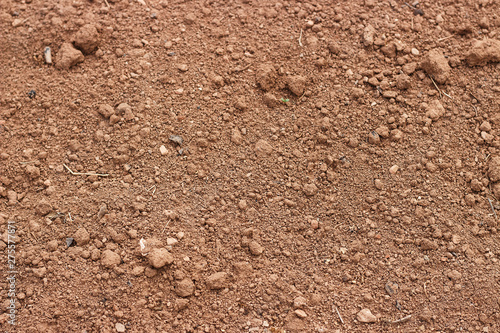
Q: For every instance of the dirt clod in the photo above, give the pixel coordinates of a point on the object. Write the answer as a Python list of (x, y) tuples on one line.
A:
[(68, 56), (217, 281), (110, 258), (160, 257), (436, 65), (86, 39)]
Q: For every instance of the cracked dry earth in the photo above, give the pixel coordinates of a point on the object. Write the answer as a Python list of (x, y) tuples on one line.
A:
[(250, 166)]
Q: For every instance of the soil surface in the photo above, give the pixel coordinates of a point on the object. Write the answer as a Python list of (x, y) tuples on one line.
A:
[(250, 166)]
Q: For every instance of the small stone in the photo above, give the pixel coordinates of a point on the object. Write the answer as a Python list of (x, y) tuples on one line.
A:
[(120, 327), (415, 52), (171, 241), (255, 248), (217, 281), (366, 316), (177, 139), (163, 150), (394, 169), (181, 304), (310, 189), (87, 39), (300, 313), (110, 259), (454, 275), (299, 302), (182, 67), (68, 56), (70, 242), (160, 257), (82, 237), (17, 23), (184, 288), (485, 126)]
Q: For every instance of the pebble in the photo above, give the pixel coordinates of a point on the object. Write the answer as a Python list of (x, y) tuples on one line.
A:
[(299, 302), (373, 138), (255, 248), (176, 139), (300, 313), (393, 169), (366, 316), (120, 327), (163, 150), (171, 241), (217, 281), (415, 52), (68, 56), (160, 257)]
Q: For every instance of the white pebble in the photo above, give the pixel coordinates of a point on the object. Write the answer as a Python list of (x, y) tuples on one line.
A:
[(414, 51), (163, 150), (394, 169)]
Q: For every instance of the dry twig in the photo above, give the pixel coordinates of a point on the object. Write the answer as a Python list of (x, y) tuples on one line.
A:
[(300, 38), (435, 85), (338, 313), (107, 4), (401, 320), (85, 173), (492, 208)]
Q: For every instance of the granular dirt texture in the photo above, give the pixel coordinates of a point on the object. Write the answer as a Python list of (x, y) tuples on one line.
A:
[(250, 166)]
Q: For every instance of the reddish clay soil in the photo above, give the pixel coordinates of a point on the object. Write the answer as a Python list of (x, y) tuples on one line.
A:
[(250, 166)]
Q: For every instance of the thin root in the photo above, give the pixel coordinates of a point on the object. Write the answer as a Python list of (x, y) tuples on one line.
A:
[(435, 85), (300, 38), (85, 173)]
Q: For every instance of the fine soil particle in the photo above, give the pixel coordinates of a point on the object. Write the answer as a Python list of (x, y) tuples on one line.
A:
[(250, 166)]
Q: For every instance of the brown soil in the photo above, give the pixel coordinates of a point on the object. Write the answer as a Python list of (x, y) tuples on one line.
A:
[(251, 166)]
